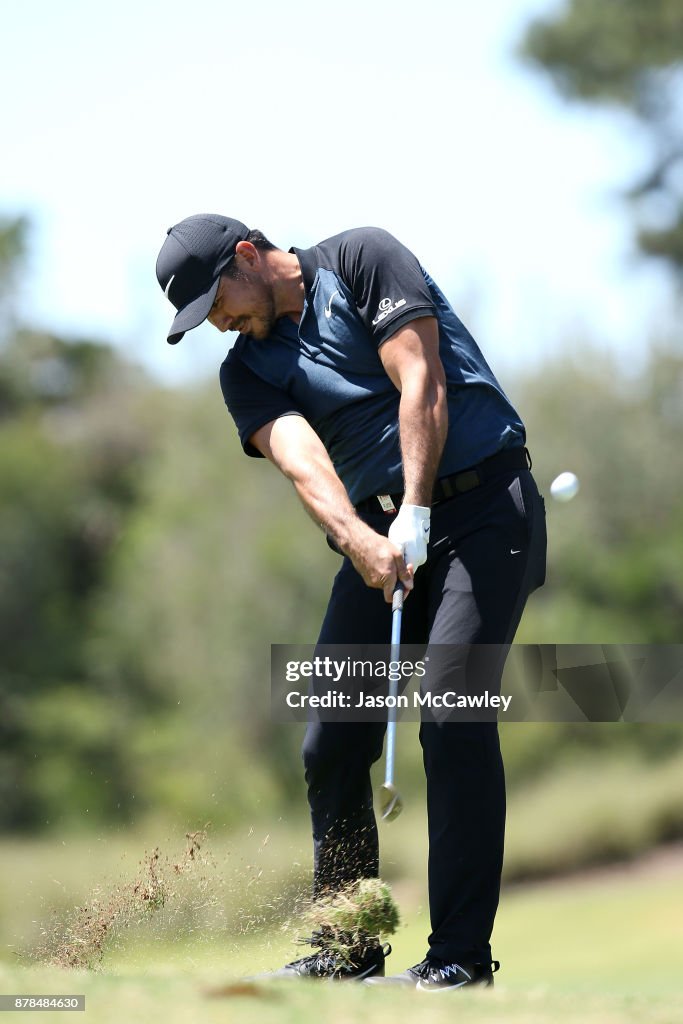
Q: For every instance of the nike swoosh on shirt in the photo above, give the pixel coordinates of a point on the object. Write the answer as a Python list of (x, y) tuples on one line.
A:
[(328, 307)]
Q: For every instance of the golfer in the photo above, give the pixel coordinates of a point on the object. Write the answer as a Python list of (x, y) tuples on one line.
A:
[(354, 376)]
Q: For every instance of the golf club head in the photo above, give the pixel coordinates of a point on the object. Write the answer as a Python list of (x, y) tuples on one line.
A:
[(390, 802)]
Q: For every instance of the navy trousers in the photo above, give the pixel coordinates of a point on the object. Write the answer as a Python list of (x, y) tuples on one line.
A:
[(486, 555)]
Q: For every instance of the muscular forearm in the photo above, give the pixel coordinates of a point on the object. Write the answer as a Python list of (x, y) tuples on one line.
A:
[(423, 424), (325, 499), (291, 444)]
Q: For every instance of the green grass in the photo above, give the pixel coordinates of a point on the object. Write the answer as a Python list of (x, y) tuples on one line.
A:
[(602, 948), (175, 998), (592, 812), (584, 814), (247, 878)]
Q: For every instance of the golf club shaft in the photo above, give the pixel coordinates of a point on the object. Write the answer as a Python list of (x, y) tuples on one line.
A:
[(396, 613)]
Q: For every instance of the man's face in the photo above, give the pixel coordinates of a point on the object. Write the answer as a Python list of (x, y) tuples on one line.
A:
[(244, 303)]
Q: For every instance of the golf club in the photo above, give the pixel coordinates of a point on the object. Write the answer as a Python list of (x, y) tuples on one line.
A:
[(391, 803)]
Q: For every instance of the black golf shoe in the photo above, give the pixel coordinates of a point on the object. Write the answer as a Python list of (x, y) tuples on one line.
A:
[(440, 976), (358, 962)]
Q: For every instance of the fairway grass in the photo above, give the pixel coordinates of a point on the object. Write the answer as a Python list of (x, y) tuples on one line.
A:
[(601, 948), (171, 997)]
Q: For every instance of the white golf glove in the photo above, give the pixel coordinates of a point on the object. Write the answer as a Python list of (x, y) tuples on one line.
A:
[(410, 532)]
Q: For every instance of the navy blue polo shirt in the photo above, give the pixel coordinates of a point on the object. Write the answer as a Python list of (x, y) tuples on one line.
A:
[(360, 287)]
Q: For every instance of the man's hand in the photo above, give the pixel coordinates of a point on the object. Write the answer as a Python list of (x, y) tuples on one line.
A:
[(410, 532), (379, 561)]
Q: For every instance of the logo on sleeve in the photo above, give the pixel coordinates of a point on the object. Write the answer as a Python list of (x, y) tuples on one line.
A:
[(386, 307)]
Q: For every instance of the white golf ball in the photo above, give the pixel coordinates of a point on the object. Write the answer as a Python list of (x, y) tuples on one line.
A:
[(565, 486)]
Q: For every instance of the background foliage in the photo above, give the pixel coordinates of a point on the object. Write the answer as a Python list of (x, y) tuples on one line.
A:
[(628, 55), (146, 566)]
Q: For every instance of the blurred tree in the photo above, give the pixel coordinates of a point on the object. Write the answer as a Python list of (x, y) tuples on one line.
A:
[(71, 448), (616, 571), (13, 235), (219, 561), (628, 53)]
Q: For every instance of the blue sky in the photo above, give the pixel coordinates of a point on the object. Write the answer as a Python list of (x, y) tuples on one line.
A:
[(304, 120)]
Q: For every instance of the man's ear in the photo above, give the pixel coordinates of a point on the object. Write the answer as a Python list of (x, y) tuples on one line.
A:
[(246, 255)]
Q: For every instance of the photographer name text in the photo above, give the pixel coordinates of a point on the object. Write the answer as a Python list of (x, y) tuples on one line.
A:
[(447, 699)]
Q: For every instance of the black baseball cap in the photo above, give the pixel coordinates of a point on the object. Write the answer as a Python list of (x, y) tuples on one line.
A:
[(190, 263)]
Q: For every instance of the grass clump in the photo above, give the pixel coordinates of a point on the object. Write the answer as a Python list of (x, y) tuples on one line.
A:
[(354, 920)]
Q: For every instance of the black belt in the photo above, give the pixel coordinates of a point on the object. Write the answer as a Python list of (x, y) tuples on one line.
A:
[(457, 483)]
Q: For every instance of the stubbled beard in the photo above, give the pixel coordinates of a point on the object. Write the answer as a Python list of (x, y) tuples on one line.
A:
[(261, 322)]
